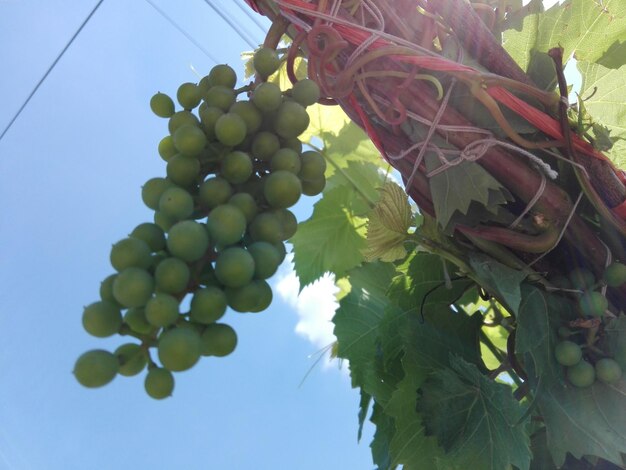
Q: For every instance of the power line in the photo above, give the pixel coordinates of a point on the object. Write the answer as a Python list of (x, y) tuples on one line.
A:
[(231, 24), (32, 93), (183, 32), (252, 17)]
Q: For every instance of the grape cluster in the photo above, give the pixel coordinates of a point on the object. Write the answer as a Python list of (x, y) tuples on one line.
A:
[(234, 168)]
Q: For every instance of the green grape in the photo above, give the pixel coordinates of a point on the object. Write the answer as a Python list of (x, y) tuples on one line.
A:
[(581, 375), (96, 368), (568, 353), (179, 349), (159, 383), (593, 304), (133, 287), (162, 105), (313, 187), (106, 289), (218, 340), (246, 204), (608, 370), (582, 278), (208, 117), (234, 267), (136, 320), (172, 276), (291, 120), (157, 258), (204, 84), (267, 97), (208, 305), (236, 167), (220, 97), (282, 189), (306, 92), (102, 319), (214, 191), (189, 140), (280, 247), (254, 187), (226, 224), (130, 252), (166, 148), (615, 274), (293, 144), (253, 297), (266, 257), (313, 166), (207, 276), (189, 95), (132, 359), (183, 170), (152, 190), (182, 118), (249, 113), (265, 145), (266, 227), (230, 129), (286, 160), (564, 332), (265, 61), (222, 75), (176, 203), (288, 222), (188, 240), (151, 234), (163, 221), (162, 310)]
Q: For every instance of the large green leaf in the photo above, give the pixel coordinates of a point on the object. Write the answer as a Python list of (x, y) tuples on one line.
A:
[(385, 430), (364, 179), (593, 30), (498, 279), (475, 419)]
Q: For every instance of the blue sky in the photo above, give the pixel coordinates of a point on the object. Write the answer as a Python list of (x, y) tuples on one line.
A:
[(71, 168)]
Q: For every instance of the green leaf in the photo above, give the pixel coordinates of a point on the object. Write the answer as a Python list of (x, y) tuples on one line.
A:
[(330, 241), (361, 177), (615, 339), (498, 279), (594, 31), (385, 430), (364, 405), (474, 419), (388, 225), (326, 121)]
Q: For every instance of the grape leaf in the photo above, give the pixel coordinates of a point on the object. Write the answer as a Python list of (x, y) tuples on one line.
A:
[(388, 225), (615, 339), (594, 31), (363, 178), (500, 280), (385, 429), (364, 405), (474, 419)]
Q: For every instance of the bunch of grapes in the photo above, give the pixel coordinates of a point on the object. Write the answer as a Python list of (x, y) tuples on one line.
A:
[(221, 218), (587, 362)]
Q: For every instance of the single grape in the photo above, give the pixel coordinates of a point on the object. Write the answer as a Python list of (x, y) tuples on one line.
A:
[(182, 118), (188, 240), (136, 320), (564, 332), (249, 113), (176, 203), (189, 140), (151, 234), (226, 224), (133, 287), (286, 160), (581, 375), (208, 117), (102, 319), (214, 192), (608, 370), (234, 267), (230, 129), (266, 257), (282, 189), (172, 276), (130, 252), (162, 310), (179, 348), (106, 289), (593, 304), (189, 95), (582, 278), (236, 167), (132, 359), (253, 297), (208, 305), (220, 97), (265, 61), (162, 105), (313, 187), (288, 222), (152, 190), (265, 145), (218, 340), (159, 383), (306, 92), (166, 147), (280, 247), (246, 204), (266, 227), (267, 97), (313, 166), (164, 222), (183, 170), (96, 368), (568, 353), (291, 120), (222, 75), (615, 274), (293, 144)]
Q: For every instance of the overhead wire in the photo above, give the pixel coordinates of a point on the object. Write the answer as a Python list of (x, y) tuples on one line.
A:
[(239, 31), (252, 17), (45, 75)]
